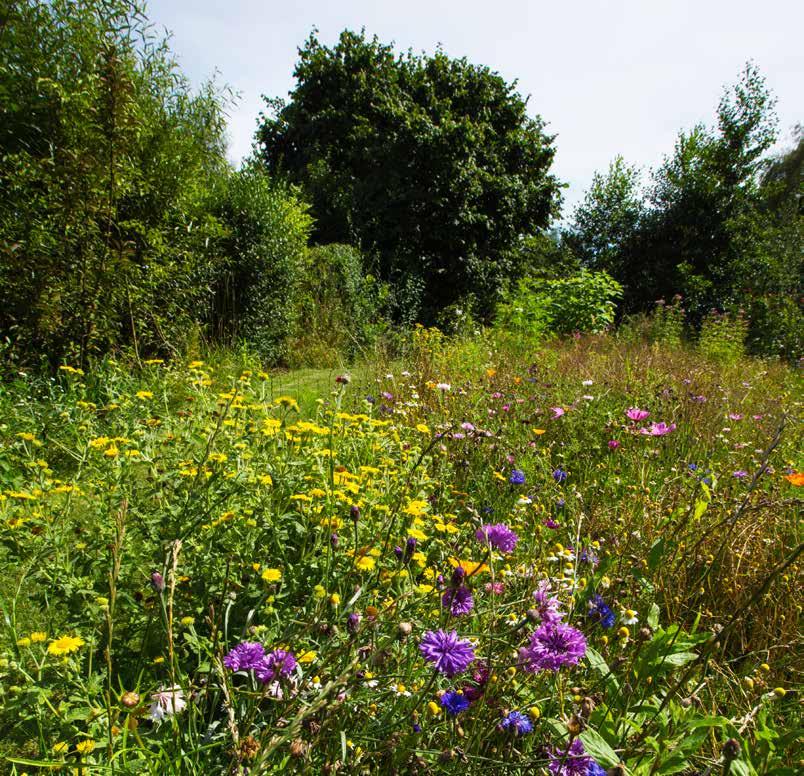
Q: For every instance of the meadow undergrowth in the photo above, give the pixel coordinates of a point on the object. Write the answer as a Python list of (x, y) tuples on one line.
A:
[(491, 556)]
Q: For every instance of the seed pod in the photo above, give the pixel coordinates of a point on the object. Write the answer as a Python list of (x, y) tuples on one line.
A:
[(731, 749), (129, 699)]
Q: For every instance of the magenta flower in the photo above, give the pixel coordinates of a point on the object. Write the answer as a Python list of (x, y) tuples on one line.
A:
[(499, 536), (658, 429), (613, 444), (448, 654), (634, 413), (557, 411), (553, 645)]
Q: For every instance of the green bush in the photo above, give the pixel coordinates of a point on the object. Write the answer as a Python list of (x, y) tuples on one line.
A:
[(339, 307), (584, 302), (106, 157), (267, 228), (723, 336)]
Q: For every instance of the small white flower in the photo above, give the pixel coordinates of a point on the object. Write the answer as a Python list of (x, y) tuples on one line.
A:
[(166, 703), (628, 617), (588, 382), (444, 387)]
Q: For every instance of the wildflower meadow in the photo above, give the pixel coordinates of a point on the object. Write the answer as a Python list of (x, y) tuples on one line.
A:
[(487, 556)]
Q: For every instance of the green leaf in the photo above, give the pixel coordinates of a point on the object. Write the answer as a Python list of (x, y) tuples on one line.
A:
[(597, 747)]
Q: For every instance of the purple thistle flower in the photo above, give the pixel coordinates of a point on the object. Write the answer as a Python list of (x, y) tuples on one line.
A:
[(276, 664), (517, 722), (553, 645), (247, 655), (458, 600), (449, 654), (569, 762), (499, 536), (454, 702), (547, 605), (517, 477)]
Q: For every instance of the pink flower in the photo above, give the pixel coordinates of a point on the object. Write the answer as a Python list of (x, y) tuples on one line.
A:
[(613, 444), (557, 411), (658, 429), (735, 416), (634, 413)]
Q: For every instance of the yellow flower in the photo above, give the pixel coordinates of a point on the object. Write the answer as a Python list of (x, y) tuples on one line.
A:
[(38, 636), (271, 575), (86, 746), (335, 599), (24, 642), (61, 747), (366, 563), (145, 395), (421, 427), (433, 708), (65, 645), (319, 592), (539, 431), (307, 657), (188, 621), (287, 401)]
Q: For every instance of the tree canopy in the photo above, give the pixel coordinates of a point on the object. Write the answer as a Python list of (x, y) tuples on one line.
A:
[(430, 164)]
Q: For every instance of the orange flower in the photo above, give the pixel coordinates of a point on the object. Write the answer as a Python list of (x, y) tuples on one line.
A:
[(796, 478)]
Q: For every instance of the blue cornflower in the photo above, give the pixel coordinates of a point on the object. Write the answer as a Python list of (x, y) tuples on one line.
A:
[(517, 477), (601, 613), (692, 467), (454, 702), (595, 769), (517, 722), (559, 475)]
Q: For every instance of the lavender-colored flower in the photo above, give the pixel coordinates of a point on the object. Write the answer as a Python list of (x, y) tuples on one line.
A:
[(517, 477), (499, 536), (547, 605), (454, 702), (553, 645), (449, 654), (634, 413), (353, 622), (559, 475), (601, 613), (658, 429), (740, 474), (569, 762), (246, 656), (458, 600), (278, 663), (517, 723)]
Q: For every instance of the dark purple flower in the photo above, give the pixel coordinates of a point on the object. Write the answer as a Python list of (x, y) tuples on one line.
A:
[(595, 769), (569, 762), (449, 654), (276, 664), (553, 645), (550, 523), (740, 474), (613, 444), (547, 605), (410, 548), (247, 655), (157, 582), (458, 600), (499, 536), (454, 702), (517, 477), (559, 475), (517, 723), (353, 622)]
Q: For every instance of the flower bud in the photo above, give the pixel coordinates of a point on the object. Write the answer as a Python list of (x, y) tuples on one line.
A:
[(731, 749), (129, 699), (157, 582), (404, 629)]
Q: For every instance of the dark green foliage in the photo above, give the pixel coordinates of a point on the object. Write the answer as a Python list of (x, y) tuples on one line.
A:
[(106, 159), (267, 228), (339, 306), (720, 225), (429, 163)]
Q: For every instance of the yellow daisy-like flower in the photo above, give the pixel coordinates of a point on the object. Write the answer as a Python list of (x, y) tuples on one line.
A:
[(65, 645), (38, 636), (85, 747), (143, 395), (366, 563), (271, 575)]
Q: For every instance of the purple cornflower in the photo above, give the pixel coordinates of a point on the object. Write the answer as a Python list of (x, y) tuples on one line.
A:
[(547, 605), (517, 722), (454, 702), (499, 536), (517, 477), (569, 762), (247, 655), (553, 645), (276, 664), (601, 613), (449, 654), (458, 600), (559, 475)]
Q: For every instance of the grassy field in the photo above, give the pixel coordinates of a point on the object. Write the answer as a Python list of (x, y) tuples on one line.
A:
[(489, 556)]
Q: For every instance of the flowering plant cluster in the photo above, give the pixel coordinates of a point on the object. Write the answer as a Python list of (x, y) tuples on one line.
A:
[(479, 567)]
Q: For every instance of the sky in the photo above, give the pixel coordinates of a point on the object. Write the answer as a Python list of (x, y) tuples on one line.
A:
[(608, 76)]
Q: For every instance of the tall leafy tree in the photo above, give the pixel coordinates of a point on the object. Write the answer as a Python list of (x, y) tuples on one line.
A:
[(429, 163)]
